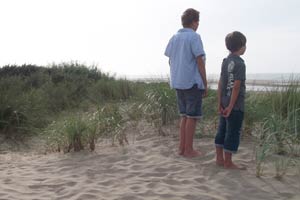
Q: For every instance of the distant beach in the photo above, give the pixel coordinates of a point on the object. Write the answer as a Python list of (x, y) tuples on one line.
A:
[(254, 82), (260, 82)]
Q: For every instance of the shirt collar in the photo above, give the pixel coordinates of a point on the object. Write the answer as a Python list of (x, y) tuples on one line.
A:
[(186, 30), (235, 56)]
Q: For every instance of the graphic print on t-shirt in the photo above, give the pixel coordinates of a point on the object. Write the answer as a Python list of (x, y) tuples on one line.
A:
[(230, 81)]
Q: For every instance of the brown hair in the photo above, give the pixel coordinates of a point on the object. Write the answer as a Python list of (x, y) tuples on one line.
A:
[(189, 16), (235, 41)]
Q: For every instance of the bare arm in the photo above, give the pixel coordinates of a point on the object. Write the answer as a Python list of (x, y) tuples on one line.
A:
[(234, 96), (220, 108), (202, 70)]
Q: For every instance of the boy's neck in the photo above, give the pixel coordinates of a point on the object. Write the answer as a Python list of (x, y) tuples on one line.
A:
[(193, 26), (189, 28), (239, 52), (236, 53)]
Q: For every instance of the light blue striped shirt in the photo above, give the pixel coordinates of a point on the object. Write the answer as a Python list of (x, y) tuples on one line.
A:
[(183, 49)]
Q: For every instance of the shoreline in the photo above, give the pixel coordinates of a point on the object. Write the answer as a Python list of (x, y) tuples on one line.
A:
[(251, 84)]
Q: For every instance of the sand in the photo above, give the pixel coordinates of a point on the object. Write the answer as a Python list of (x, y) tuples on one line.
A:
[(148, 168)]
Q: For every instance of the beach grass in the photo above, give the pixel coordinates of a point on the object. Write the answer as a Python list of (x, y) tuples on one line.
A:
[(159, 107), (74, 105), (279, 119), (32, 96)]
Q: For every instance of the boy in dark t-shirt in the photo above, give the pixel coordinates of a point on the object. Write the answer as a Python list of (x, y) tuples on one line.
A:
[(231, 98)]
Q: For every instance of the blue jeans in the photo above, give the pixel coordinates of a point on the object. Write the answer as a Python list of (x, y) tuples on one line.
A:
[(190, 102), (229, 131)]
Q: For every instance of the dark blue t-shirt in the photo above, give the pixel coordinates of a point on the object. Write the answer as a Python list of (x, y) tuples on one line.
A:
[(233, 68)]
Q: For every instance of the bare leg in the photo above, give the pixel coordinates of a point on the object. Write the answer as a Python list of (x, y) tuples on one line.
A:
[(182, 135), (189, 136), (219, 156), (229, 164)]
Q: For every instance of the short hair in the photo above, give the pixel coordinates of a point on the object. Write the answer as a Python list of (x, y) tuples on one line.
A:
[(235, 41), (189, 16)]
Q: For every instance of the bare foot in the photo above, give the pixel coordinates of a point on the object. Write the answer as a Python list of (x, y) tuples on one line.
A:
[(181, 151), (234, 166), (220, 163), (192, 154)]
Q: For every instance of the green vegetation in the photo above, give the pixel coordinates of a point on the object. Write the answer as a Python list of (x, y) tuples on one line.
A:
[(78, 131), (73, 105), (31, 97), (208, 124), (278, 119), (160, 106)]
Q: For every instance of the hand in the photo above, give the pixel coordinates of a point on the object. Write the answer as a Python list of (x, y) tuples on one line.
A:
[(220, 110), (227, 111), (205, 93)]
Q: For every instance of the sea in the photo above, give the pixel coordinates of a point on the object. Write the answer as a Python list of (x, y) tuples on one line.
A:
[(254, 82), (262, 81)]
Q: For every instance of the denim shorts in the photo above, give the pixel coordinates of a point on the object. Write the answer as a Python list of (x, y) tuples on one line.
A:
[(190, 102), (229, 131)]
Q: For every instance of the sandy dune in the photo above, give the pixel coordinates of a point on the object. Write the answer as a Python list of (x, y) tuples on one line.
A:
[(148, 168)]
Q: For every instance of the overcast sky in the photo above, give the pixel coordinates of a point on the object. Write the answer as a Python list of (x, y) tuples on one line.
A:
[(128, 37)]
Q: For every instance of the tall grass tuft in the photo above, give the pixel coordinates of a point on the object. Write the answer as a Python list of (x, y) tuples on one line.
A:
[(110, 122), (75, 129), (76, 133), (160, 106), (280, 127), (257, 109), (263, 148), (67, 134)]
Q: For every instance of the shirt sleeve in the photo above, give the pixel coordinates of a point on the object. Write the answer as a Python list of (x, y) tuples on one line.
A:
[(223, 67), (169, 48), (197, 46), (240, 73)]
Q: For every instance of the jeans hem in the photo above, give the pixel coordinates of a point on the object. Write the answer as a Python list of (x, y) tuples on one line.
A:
[(230, 151), (219, 145), (188, 116), (194, 117)]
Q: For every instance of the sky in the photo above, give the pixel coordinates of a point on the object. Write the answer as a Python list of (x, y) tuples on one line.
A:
[(128, 37)]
